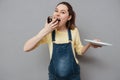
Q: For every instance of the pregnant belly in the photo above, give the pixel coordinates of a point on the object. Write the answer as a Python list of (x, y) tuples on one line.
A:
[(63, 68)]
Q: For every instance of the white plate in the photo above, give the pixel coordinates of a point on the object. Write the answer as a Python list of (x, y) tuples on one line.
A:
[(98, 42)]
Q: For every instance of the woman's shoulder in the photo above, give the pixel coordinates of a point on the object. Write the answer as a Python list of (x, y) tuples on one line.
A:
[(75, 30)]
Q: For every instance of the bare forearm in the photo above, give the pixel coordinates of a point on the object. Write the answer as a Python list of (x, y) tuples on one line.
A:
[(31, 43), (85, 48)]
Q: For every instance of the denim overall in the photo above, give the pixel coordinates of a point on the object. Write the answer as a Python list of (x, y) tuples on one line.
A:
[(63, 65)]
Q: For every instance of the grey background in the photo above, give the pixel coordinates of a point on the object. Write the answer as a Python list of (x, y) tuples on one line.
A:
[(22, 19)]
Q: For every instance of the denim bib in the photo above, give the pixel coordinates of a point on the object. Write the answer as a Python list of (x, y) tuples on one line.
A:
[(63, 65)]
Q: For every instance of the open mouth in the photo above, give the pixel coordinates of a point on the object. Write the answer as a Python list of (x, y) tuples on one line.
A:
[(49, 19), (58, 20)]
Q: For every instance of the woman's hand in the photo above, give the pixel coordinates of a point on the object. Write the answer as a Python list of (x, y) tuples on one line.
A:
[(49, 27), (87, 46)]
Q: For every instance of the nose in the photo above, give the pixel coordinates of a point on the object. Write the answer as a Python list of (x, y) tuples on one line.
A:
[(57, 14)]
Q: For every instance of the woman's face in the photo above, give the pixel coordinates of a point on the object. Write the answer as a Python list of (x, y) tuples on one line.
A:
[(61, 12)]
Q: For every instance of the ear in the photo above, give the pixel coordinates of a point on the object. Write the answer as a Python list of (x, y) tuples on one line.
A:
[(69, 17)]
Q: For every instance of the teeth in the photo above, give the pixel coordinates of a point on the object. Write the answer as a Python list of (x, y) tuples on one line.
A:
[(49, 19), (58, 20)]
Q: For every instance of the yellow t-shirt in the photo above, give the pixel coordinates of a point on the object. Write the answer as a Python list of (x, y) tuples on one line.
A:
[(62, 37)]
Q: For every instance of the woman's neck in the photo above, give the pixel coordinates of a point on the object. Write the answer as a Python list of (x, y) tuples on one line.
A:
[(62, 28)]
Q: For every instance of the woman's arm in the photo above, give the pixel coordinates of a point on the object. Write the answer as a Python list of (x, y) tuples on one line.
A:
[(32, 43), (87, 46)]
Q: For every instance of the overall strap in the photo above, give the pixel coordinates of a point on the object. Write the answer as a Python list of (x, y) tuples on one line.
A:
[(69, 35), (53, 35)]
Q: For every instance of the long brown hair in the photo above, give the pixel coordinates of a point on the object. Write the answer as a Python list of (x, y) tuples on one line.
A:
[(71, 23)]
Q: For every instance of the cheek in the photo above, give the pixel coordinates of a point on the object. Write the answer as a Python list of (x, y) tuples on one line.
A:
[(64, 19)]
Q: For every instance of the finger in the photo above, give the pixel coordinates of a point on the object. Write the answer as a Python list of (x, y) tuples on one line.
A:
[(55, 20), (54, 25), (97, 40), (96, 46)]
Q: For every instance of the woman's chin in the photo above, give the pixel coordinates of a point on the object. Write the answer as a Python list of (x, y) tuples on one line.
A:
[(58, 27)]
